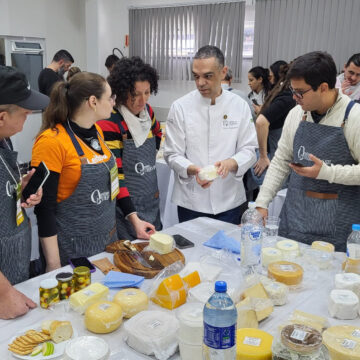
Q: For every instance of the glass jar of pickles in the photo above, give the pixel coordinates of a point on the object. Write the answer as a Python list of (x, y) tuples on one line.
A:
[(49, 292), (66, 285), (82, 277)]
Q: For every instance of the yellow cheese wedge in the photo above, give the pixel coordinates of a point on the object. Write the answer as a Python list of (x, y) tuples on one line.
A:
[(323, 246), (192, 279), (286, 272), (314, 321), (132, 301), (103, 317), (343, 342), (256, 291), (253, 344), (263, 307), (87, 296), (161, 243), (171, 292), (246, 316)]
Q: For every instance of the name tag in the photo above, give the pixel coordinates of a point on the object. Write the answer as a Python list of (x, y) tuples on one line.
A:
[(230, 124), (114, 181), (19, 211)]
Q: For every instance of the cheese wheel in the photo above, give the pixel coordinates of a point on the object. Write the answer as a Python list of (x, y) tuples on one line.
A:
[(161, 243), (103, 317), (343, 342), (132, 301), (286, 272), (289, 248), (343, 304), (348, 281), (269, 255), (253, 344), (323, 246)]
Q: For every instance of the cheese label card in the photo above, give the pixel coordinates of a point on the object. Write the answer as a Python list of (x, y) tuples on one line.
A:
[(252, 341), (299, 335), (348, 344)]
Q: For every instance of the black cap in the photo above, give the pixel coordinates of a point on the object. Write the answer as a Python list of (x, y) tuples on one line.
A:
[(15, 90)]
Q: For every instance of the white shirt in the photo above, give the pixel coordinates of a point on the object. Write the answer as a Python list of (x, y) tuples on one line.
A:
[(353, 91), (339, 174), (200, 134)]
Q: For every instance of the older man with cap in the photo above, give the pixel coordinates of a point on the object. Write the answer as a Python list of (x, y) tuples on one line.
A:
[(17, 100)]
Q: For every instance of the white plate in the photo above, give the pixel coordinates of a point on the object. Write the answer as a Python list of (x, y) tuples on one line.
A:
[(59, 348)]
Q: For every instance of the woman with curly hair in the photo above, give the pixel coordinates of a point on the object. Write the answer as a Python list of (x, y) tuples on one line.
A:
[(133, 135)]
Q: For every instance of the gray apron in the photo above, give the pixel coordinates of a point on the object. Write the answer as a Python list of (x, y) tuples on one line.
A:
[(15, 241), (307, 218), (86, 220), (139, 165)]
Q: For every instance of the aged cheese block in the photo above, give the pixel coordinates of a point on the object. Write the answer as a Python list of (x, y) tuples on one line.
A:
[(286, 272), (83, 298), (253, 344), (132, 301), (343, 342), (103, 317)]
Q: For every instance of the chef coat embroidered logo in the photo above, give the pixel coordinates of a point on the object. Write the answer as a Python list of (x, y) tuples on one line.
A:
[(303, 155), (141, 169), (10, 189), (97, 197), (98, 158)]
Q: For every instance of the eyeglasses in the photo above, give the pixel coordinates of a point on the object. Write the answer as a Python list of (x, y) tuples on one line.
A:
[(299, 94)]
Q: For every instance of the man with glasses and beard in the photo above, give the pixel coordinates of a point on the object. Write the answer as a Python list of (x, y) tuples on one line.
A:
[(320, 149), (54, 72)]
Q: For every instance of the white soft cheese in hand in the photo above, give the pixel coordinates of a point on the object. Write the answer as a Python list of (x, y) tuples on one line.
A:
[(161, 243), (208, 173), (343, 304)]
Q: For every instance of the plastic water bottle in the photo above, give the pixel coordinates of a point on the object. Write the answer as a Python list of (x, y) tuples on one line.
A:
[(353, 243), (251, 215), (220, 318), (251, 238)]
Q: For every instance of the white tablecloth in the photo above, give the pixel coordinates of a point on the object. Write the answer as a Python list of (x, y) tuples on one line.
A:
[(312, 297)]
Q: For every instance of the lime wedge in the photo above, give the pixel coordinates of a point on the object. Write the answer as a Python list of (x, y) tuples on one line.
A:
[(36, 350)]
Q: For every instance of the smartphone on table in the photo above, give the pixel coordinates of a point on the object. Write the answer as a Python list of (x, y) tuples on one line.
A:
[(82, 261), (36, 181), (182, 242)]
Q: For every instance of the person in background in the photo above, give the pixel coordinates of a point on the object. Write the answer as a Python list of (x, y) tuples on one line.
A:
[(110, 62), (76, 216), (349, 81), (16, 102), (209, 126), (72, 71), (274, 72), (133, 134), (271, 119), (226, 85), (260, 86), (54, 72), (320, 146)]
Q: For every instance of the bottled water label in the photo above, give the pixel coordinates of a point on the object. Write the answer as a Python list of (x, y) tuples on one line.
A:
[(353, 251), (219, 337)]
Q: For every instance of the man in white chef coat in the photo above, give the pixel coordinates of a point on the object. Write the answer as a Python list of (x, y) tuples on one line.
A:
[(209, 126)]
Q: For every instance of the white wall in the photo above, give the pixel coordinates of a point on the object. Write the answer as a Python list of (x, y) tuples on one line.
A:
[(62, 25)]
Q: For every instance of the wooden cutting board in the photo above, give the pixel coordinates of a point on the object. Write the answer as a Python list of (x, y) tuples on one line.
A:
[(126, 262)]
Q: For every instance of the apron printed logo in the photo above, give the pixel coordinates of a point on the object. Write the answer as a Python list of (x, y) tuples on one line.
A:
[(10, 189), (141, 169), (97, 197), (303, 155), (98, 158)]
